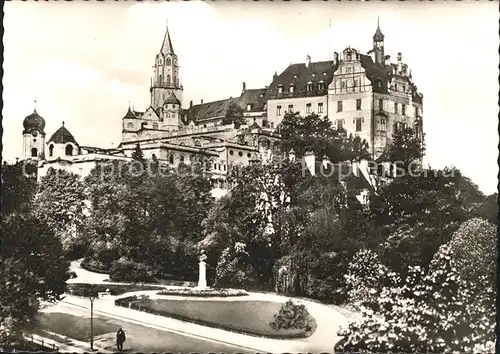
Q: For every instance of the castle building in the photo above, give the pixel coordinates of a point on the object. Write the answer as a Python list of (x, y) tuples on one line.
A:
[(365, 94)]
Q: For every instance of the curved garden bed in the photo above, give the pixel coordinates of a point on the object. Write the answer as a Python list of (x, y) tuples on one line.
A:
[(203, 292), (251, 317)]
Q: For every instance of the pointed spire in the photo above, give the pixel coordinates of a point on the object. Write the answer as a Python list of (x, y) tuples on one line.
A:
[(167, 47), (378, 36)]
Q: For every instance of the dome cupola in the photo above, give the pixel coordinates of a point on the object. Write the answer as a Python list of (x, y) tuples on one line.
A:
[(34, 122)]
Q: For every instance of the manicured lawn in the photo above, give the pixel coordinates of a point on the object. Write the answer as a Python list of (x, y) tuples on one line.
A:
[(251, 317), (78, 289), (75, 327), (139, 338)]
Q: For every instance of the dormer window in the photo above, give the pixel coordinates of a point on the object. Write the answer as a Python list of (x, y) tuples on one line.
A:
[(280, 89), (321, 86), (249, 107), (379, 83), (310, 86), (155, 126), (292, 88)]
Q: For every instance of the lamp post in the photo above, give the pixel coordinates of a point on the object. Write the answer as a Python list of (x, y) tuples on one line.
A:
[(92, 297)]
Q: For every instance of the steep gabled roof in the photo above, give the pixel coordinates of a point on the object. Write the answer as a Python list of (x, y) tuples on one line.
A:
[(255, 97), (62, 136), (300, 75), (172, 99)]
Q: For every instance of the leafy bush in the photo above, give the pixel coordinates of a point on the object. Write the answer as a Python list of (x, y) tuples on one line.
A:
[(95, 265), (203, 292), (474, 249), (426, 311), (291, 316), (125, 270), (233, 269)]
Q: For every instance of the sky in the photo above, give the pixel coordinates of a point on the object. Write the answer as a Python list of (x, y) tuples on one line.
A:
[(84, 62)]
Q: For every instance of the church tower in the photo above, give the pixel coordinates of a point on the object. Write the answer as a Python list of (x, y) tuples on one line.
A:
[(165, 81), (378, 45), (33, 137)]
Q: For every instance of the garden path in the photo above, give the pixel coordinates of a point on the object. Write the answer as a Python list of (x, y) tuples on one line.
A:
[(328, 319)]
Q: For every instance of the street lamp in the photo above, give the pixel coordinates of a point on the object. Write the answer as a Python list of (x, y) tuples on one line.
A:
[(92, 297)]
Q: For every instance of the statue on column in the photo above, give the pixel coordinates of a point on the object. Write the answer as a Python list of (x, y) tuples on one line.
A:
[(202, 278)]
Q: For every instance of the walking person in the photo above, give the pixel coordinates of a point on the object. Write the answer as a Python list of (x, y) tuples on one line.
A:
[(120, 338)]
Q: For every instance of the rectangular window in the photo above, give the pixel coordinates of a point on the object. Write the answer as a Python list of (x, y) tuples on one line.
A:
[(291, 88), (339, 106), (396, 108), (382, 126), (309, 87), (359, 122), (278, 110), (381, 104), (416, 111), (340, 124), (358, 104), (403, 108), (395, 87), (308, 108), (320, 107), (280, 89), (290, 108)]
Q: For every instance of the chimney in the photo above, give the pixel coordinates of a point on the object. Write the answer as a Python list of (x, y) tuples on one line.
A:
[(291, 155), (355, 168), (275, 75), (308, 61), (190, 103), (400, 63), (244, 86), (310, 161), (202, 101)]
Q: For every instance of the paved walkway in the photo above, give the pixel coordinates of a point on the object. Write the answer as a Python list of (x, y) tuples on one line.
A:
[(328, 319)]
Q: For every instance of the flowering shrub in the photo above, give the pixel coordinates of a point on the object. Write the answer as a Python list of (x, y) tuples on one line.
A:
[(431, 311), (364, 279), (291, 316)]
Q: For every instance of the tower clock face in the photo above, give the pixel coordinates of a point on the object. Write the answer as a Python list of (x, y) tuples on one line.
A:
[(34, 133)]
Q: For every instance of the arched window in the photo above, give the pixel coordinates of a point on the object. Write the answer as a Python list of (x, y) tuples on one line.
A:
[(69, 150), (155, 125), (51, 149), (130, 125), (168, 79), (169, 61), (160, 79), (182, 159), (153, 157), (34, 152), (171, 159)]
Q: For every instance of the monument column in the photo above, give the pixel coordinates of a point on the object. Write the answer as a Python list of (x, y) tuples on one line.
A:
[(202, 278)]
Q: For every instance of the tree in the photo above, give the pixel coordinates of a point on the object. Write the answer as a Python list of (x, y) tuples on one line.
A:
[(405, 149), (17, 190), (60, 202), (234, 114), (138, 155), (418, 214), (33, 269), (317, 133)]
